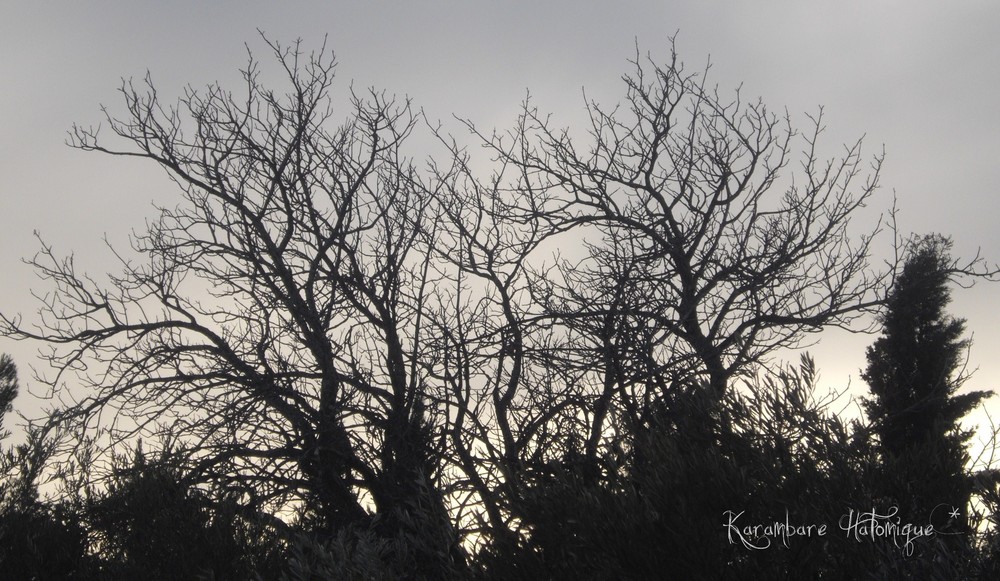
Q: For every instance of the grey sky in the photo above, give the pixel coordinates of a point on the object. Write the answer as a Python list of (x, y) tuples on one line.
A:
[(920, 77)]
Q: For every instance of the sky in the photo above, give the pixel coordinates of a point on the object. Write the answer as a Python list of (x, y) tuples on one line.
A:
[(918, 78)]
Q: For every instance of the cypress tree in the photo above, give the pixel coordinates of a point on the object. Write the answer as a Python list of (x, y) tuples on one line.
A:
[(915, 369), (8, 388)]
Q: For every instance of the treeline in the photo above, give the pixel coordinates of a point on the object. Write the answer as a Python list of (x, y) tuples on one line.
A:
[(325, 361)]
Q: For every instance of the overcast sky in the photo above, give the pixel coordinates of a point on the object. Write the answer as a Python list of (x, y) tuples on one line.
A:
[(920, 78)]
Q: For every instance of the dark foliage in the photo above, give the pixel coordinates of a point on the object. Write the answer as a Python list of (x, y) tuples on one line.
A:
[(151, 524), (38, 540), (665, 513), (8, 389)]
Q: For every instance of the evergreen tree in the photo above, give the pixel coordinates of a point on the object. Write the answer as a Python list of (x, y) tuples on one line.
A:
[(8, 388), (38, 539), (914, 373)]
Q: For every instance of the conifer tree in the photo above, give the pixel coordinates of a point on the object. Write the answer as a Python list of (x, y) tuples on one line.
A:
[(8, 388), (914, 372)]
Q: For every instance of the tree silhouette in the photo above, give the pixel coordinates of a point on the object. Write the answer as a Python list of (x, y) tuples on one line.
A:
[(690, 246), (8, 388), (38, 539), (276, 328), (914, 372), (695, 227), (399, 356)]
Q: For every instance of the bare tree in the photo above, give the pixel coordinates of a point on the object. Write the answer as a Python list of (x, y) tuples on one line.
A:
[(274, 326), (711, 234), (324, 326), (686, 192)]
